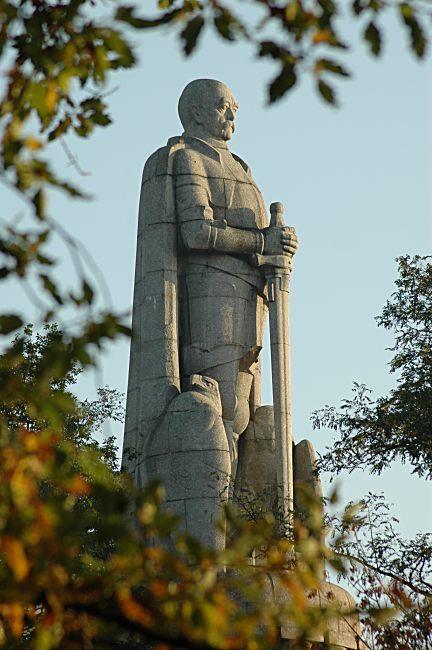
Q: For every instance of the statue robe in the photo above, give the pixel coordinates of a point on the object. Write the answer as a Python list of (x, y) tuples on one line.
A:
[(193, 310)]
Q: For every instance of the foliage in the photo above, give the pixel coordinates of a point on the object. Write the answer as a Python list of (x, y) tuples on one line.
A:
[(75, 570), (385, 569), (374, 433), (86, 417), (58, 58), (388, 573), (57, 591)]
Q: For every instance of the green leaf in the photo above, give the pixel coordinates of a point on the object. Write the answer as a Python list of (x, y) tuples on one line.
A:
[(357, 7), (417, 34), (227, 25), (51, 288), (191, 33), (326, 92), (284, 81), (39, 203), (9, 323), (268, 48), (331, 66), (372, 35), (88, 293), (127, 15), (60, 129)]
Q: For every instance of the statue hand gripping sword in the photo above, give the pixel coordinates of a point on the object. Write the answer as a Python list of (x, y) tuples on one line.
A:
[(277, 269)]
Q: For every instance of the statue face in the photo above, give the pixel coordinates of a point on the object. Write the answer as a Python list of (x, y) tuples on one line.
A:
[(216, 111)]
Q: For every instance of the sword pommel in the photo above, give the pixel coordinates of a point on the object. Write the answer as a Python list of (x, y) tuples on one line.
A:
[(276, 211)]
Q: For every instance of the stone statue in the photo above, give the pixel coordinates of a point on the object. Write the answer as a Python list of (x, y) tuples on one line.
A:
[(189, 451), (199, 303), (208, 265)]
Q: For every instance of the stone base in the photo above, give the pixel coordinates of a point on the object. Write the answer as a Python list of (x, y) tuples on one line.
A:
[(343, 631)]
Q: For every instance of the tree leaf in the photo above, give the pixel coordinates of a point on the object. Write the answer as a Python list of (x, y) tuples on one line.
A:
[(61, 128), (330, 66), (227, 25), (191, 33), (88, 293), (39, 203), (9, 323), (326, 92), (285, 80), (269, 48), (357, 7), (51, 288), (372, 35), (14, 554), (126, 14), (417, 34)]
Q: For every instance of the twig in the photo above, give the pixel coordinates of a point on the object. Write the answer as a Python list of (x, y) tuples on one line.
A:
[(73, 160)]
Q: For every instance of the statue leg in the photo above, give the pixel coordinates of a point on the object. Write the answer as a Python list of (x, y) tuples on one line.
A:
[(235, 383), (220, 337)]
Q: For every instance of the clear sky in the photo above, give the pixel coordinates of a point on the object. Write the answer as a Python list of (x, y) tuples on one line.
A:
[(355, 182)]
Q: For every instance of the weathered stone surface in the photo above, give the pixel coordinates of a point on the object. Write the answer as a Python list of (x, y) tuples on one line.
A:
[(189, 453), (207, 268), (199, 302), (343, 630)]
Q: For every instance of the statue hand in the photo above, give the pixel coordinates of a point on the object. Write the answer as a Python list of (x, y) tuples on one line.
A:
[(280, 241)]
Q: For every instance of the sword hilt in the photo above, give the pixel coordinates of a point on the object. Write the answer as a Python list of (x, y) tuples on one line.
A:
[(277, 212)]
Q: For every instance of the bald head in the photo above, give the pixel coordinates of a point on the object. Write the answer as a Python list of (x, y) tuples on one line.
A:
[(207, 108)]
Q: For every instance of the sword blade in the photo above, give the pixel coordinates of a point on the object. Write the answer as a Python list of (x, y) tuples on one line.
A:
[(278, 300)]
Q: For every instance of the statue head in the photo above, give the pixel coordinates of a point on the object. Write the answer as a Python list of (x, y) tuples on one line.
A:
[(207, 108)]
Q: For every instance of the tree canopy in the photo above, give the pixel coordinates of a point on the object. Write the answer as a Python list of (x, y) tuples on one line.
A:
[(75, 569), (373, 433)]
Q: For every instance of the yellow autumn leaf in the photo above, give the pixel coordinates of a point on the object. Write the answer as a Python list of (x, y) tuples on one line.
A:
[(22, 486), (33, 143), (322, 36), (13, 614), (135, 612), (291, 10), (14, 554), (78, 485), (16, 619), (51, 97), (31, 440)]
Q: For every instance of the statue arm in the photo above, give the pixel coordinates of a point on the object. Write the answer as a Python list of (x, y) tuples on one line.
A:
[(199, 229), (207, 234)]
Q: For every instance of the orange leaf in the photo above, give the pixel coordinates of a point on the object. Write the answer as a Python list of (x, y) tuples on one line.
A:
[(13, 614), (16, 619), (32, 143), (322, 36), (134, 611), (31, 440), (15, 557), (78, 485)]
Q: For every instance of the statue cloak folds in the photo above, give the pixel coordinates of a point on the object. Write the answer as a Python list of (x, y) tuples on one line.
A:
[(154, 375), (154, 372)]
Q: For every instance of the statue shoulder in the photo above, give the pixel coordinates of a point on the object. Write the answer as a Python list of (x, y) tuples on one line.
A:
[(242, 163), (159, 162), (189, 161), (195, 157)]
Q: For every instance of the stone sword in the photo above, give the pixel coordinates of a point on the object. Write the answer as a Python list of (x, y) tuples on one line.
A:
[(277, 271)]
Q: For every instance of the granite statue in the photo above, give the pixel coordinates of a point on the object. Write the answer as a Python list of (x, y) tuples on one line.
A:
[(209, 267), (200, 295)]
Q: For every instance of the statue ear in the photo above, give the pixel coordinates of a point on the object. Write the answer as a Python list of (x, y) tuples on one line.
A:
[(196, 113)]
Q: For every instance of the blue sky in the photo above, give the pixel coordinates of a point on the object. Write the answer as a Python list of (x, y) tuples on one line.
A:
[(355, 183)]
